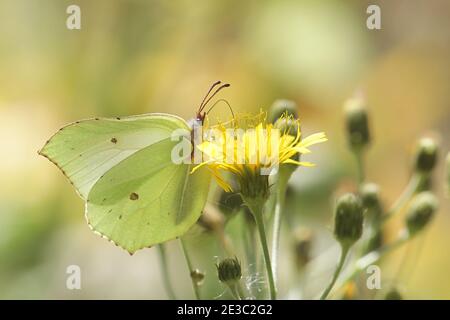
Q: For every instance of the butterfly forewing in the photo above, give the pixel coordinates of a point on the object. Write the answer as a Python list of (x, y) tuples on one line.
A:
[(86, 149)]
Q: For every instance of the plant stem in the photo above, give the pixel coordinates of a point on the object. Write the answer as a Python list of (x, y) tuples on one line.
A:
[(257, 209), (360, 165), (344, 252), (236, 291), (373, 257), (165, 272), (248, 236), (191, 269), (279, 208), (406, 195)]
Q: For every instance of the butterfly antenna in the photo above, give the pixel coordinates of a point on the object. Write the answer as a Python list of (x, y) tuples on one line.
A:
[(222, 100), (207, 94), (225, 85)]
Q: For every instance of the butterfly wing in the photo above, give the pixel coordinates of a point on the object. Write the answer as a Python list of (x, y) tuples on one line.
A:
[(85, 150), (147, 199)]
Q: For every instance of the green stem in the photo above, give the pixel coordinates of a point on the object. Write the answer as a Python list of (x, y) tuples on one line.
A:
[(240, 291), (191, 269), (236, 291), (252, 258), (344, 252), (248, 240), (279, 208), (373, 257), (165, 272), (409, 191), (257, 209), (360, 165)]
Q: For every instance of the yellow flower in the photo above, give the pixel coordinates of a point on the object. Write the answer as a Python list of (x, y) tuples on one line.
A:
[(252, 148)]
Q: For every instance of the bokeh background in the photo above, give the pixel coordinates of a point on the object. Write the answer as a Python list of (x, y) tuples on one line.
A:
[(137, 56)]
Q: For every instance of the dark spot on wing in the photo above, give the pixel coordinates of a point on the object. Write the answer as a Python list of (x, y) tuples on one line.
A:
[(118, 118), (134, 196), (97, 119), (110, 210), (120, 217), (114, 140)]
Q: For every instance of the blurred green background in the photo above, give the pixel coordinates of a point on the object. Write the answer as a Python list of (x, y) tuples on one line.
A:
[(137, 56)]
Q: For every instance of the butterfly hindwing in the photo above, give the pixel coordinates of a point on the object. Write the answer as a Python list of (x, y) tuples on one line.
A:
[(147, 199)]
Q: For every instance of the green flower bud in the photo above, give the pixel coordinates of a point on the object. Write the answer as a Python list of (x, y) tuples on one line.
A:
[(348, 220), (229, 270), (291, 127), (370, 195), (357, 123), (282, 106), (420, 212), (230, 203), (197, 276), (393, 294), (287, 126), (426, 155)]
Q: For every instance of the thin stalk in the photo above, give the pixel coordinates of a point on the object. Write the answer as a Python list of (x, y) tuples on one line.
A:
[(373, 257), (240, 291), (360, 165), (236, 291), (257, 210), (344, 252), (191, 269), (247, 239), (165, 272), (253, 258), (279, 208), (406, 195)]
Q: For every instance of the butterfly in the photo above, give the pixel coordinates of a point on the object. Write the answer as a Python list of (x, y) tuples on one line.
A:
[(135, 195)]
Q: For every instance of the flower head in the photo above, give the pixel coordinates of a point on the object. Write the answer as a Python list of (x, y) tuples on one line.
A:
[(229, 270), (421, 211), (426, 155), (357, 123), (251, 148), (348, 220)]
